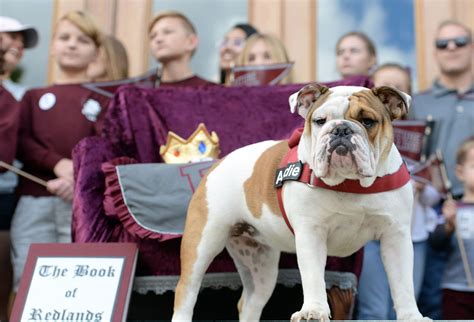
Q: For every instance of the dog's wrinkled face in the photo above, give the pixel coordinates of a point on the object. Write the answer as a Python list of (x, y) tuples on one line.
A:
[(348, 129)]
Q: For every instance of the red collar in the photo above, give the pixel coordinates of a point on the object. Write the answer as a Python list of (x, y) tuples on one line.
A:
[(381, 184)]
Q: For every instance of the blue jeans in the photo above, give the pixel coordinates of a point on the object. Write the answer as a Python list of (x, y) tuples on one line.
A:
[(374, 301), (431, 297)]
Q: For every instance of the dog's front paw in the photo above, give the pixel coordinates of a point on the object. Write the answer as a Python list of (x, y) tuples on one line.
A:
[(312, 312)]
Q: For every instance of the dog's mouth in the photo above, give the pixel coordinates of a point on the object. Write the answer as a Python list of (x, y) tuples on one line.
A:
[(341, 146), (346, 156), (340, 155)]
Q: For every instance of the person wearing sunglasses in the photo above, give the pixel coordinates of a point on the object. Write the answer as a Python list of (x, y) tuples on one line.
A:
[(458, 42), (450, 103)]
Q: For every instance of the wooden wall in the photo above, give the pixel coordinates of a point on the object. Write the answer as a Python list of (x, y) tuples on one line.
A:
[(428, 15), (294, 22)]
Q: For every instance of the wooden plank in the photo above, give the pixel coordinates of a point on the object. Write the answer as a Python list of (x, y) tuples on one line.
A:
[(429, 14), (420, 44), (132, 18), (103, 12), (294, 22), (464, 12), (267, 16), (300, 38)]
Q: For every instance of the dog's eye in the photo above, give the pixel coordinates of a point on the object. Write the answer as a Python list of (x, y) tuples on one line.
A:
[(368, 123), (319, 122)]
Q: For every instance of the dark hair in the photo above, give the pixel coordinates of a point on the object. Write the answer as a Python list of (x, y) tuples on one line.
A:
[(368, 42), (247, 28)]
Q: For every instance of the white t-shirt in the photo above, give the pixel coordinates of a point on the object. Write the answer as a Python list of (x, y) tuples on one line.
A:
[(425, 218)]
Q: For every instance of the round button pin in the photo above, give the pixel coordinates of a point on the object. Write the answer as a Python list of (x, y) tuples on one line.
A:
[(91, 109), (47, 101)]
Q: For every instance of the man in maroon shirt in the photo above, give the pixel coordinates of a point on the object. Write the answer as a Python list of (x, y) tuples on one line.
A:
[(173, 41)]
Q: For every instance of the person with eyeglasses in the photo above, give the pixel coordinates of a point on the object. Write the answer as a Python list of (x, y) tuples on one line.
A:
[(450, 103), (230, 48)]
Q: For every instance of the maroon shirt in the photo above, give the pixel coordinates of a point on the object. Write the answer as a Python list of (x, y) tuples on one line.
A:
[(191, 81), (9, 118), (53, 120)]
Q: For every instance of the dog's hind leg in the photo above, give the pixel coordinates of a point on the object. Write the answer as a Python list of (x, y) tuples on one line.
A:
[(258, 268), (204, 237)]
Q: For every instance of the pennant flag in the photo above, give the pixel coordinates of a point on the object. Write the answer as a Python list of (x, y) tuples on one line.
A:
[(412, 138), (150, 79), (260, 75), (432, 171)]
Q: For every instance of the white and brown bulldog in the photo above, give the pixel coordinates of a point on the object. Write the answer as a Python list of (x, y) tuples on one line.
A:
[(358, 190)]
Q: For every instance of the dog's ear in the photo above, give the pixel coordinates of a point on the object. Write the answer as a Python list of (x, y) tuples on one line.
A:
[(302, 100), (395, 101)]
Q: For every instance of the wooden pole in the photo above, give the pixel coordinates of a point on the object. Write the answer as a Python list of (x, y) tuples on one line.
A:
[(462, 248), (23, 174)]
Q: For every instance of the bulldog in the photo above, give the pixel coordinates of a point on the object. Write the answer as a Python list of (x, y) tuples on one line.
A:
[(356, 189)]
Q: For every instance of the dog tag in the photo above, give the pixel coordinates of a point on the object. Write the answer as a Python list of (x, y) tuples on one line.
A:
[(291, 172)]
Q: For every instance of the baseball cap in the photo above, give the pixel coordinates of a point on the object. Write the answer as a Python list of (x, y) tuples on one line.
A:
[(30, 34)]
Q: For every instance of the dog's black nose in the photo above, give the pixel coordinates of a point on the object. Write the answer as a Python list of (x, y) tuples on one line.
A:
[(342, 130)]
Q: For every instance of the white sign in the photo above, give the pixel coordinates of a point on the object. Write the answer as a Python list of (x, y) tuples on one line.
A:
[(79, 289), (76, 282)]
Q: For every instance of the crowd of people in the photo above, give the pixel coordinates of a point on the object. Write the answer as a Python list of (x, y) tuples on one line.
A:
[(35, 134)]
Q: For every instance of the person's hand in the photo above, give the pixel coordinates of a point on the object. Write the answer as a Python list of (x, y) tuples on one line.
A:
[(418, 186), (61, 187), (64, 169), (449, 213)]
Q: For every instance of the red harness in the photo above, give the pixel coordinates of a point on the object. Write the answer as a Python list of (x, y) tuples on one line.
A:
[(381, 184)]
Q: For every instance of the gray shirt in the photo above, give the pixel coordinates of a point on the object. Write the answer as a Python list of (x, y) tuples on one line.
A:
[(453, 114), (454, 277)]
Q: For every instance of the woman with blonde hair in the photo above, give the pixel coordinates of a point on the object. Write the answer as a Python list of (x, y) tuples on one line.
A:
[(264, 49), (112, 62), (53, 120)]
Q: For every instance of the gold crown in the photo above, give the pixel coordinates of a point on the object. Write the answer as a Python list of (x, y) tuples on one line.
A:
[(200, 145)]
